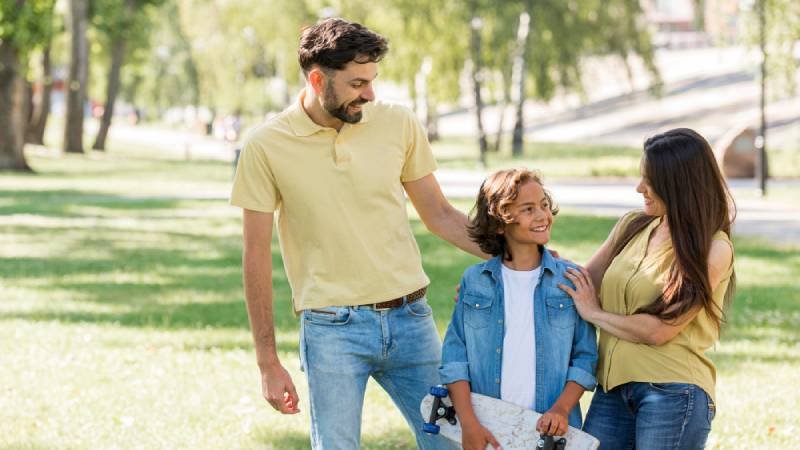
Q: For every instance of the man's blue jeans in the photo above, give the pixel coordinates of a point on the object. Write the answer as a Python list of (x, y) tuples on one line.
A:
[(651, 416), (341, 347)]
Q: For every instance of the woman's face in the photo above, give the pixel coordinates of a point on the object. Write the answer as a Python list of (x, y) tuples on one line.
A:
[(653, 205)]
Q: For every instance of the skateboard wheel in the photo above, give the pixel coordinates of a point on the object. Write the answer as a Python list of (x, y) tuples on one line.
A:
[(430, 428), (439, 391)]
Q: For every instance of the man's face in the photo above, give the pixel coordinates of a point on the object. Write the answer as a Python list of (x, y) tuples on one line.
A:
[(347, 90)]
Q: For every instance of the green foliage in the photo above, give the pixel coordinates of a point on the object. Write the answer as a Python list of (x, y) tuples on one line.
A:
[(26, 23), (782, 33)]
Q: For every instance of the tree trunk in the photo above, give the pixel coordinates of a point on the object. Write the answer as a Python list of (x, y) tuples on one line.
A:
[(117, 59), (78, 76), (12, 111), (502, 105), (518, 80), (476, 85), (41, 104)]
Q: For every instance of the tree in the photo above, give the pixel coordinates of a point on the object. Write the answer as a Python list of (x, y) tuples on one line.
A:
[(77, 82), (26, 24), (124, 26), (41, 101)]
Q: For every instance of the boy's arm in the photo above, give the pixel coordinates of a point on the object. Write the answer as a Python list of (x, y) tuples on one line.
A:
[(583, 359), (473, 434), (556, 420)]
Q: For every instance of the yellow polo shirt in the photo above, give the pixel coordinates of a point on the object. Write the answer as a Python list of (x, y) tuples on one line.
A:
[(635, 279), (343, 229)]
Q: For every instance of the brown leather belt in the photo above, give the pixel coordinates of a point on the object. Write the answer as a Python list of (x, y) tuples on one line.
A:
[(400, 301)]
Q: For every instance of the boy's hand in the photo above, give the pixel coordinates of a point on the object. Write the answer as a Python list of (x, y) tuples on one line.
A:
[(553, 422), (477, 437)]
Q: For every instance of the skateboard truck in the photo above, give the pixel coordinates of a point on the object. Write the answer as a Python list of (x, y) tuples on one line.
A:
[(439, 410), (548, 442)]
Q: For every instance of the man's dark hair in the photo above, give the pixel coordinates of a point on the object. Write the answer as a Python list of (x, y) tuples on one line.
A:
[(332, 43)]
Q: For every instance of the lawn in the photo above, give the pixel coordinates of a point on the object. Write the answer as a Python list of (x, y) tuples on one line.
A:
[(577, 160), (122, 323)]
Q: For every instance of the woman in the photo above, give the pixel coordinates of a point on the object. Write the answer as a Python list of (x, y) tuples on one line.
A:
[(664, 275)]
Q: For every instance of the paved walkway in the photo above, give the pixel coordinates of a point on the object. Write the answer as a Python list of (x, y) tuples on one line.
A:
[(776, 220)]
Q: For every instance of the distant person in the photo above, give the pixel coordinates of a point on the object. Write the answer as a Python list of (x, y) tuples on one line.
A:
[(514, 334), (665, 274), (336, 165)]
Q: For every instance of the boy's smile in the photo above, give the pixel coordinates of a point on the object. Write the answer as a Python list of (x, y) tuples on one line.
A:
[(533, 218)]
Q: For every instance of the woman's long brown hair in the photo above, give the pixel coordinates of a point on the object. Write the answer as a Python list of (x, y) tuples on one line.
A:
[(680, 167)]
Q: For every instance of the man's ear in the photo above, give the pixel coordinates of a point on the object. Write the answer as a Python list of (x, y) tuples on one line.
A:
[(316, 77)]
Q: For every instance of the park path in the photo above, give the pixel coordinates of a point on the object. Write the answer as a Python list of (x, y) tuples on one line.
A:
[(775, 220)]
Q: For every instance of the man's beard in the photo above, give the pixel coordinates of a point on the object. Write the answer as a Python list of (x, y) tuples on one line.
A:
[(331, 104)]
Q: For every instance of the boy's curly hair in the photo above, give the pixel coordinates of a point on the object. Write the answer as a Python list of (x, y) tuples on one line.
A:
[(490, 213)]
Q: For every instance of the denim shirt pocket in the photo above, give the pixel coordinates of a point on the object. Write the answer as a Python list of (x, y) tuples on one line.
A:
[(477, 310), (561, 311)]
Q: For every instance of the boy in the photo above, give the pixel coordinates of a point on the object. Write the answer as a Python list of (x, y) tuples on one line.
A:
[(514, 334)]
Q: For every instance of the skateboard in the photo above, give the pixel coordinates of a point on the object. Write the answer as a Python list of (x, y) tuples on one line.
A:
[(514, 427)]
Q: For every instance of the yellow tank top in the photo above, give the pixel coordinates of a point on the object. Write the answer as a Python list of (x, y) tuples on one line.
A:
[(635, 279)]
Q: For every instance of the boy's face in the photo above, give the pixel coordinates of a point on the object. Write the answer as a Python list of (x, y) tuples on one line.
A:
[(532, 217)]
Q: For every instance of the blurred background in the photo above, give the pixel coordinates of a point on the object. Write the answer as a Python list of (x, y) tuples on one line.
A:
[(122, 321)]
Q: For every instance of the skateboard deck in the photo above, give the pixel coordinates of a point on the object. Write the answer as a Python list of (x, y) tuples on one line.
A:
[(514, 427)]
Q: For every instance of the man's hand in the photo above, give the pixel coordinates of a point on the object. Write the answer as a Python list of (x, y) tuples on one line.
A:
[(278, 389), (477, 437), (553, 422)]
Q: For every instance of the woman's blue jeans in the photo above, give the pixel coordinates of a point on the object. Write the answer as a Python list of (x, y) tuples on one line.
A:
[(651, 416)]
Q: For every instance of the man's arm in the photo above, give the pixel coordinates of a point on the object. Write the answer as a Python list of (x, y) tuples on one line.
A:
[(439, 216), (277, 386)]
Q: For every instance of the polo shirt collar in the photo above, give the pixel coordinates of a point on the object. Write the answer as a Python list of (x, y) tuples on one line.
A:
[(301, 122)]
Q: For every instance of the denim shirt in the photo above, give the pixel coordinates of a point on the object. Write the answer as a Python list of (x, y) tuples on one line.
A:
[(566, 346)]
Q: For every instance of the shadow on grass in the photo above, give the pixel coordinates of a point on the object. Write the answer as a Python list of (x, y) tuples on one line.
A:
[(63, 202), (397, 439)]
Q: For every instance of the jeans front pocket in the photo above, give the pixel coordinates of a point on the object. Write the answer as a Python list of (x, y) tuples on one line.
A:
[(671, 388), (329, 316), (419, 308)]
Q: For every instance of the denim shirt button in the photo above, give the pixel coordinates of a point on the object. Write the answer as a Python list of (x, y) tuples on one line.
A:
[(561, 305), (498, 350), (497, 380), (500, 321), (477, 305)]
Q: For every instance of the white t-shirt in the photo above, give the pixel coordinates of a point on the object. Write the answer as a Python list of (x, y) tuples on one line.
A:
[(518, 376)]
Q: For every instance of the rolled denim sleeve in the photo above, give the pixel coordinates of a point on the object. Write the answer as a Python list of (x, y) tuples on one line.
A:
[(455, 365), (583, 361)]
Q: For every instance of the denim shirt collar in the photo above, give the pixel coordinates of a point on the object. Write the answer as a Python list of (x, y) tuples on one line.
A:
[(495, 264)]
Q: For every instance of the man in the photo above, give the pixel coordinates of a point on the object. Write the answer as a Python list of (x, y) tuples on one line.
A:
[(334, 167)]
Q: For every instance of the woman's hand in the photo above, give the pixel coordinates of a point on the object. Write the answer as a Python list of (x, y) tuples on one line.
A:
[(584, 295), (477, 437)]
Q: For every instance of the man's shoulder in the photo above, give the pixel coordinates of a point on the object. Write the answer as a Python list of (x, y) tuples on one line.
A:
[(274, 126), (387, 110)]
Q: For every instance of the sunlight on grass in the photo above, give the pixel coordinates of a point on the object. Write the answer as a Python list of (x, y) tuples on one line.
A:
[(122, 323)]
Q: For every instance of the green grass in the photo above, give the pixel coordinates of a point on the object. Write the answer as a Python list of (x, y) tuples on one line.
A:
[(122, 323), (576, 160)]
